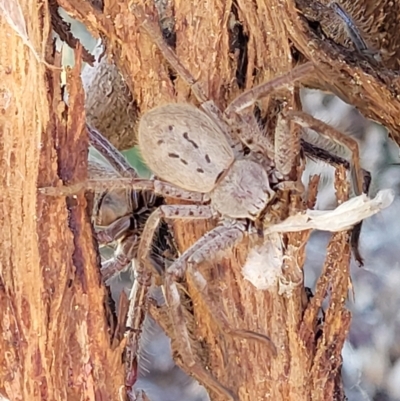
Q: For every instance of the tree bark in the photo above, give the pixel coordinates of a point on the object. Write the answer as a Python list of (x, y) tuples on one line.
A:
[(229, 47), (373, 90), (55, 324)]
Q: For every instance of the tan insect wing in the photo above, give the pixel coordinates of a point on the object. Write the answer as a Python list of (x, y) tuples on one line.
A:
[(181, 145)]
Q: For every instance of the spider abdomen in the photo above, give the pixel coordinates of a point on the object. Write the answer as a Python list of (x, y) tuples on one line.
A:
[(181, 145)]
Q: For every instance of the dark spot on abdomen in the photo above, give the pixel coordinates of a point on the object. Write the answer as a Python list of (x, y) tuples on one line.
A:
[(186, 136)]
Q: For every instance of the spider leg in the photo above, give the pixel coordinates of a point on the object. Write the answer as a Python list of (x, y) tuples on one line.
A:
[(240, 115), (213, 242), (314, 152), (110, 205), (234, 113), (145, 268), (189, 362), (153, 30), (284, 158), (157, 187), (123, 256), (209, 246), (250, 96), (114, 231), (286, 145), (325, 130), (110, 153), (206, 247), (126, 230)]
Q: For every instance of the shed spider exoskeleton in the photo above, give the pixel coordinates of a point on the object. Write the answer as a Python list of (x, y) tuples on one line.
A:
[(118, 214), (192, 153)]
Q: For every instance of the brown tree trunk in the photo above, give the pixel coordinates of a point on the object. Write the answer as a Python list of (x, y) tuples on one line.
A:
[(208, 43), (57, 338), (55, 341)]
